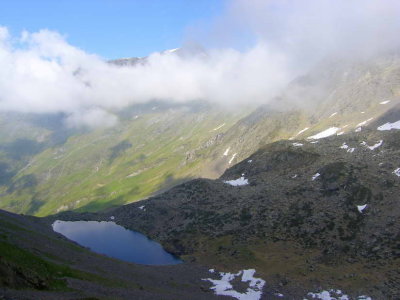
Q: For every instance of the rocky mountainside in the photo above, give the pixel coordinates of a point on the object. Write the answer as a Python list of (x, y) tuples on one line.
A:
[(158, 145), (307, 197), (306, 214)]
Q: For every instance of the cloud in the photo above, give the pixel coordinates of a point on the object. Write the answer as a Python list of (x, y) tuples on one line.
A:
[(279, 39)]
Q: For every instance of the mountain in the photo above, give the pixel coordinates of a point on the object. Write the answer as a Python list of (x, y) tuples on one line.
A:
[(302, 191), (152, 148), (305, 215), (160, 144)]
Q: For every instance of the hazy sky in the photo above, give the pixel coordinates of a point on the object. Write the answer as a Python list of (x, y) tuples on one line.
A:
[(111, 28)]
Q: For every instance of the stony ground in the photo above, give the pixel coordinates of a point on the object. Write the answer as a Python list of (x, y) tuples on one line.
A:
[(300, 234)]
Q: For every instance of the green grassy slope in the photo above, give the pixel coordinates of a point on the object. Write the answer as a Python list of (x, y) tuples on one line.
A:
[(106, 167)]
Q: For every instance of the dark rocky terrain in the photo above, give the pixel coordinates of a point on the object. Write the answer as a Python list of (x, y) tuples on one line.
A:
[(297, 232)]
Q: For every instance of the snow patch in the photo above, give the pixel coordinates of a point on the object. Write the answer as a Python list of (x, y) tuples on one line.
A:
[(384, 102), (300, 132), (315, 176), (171, 50), (364, 122), (357, 129), (334, 114), (238, 182), (220, 126), (389, 126), (232, 158), (250, 161), (378, 144), (340, 133), (227, 151), (142, 207), (223, 286), (334, 295), (323, 134), (112, 218), (361, 207), (211, 270), (396, 172), (294, 176), (297, 144), (345, 146)]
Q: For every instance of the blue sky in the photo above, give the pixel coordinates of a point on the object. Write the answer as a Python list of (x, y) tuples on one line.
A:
[(112, 28)]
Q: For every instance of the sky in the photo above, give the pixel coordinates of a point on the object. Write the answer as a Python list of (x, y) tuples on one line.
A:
[(112, 28), (53, 53)]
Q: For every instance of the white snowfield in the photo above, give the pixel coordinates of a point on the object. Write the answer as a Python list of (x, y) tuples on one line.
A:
[(389, 126), (323, 134), (384, 102), (238, 182), (346, 147), (232, 158), (224, 287), (334, 114), (378, 144), (364, 122), (315, 176), (172, 50), (220, 126), (334, 295), (361, 207), (300, 132), (397, 172), (227, 151)]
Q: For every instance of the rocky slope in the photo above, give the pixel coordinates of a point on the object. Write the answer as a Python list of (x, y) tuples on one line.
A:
[(306, 214)]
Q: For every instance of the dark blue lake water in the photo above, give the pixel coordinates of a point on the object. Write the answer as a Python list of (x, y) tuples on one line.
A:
[(115, 241)]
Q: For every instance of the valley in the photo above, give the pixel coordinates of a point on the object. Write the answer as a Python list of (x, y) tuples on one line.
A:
[(295, 199)]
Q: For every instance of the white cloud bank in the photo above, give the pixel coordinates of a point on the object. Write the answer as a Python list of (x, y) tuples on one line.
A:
[(41, 73)]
